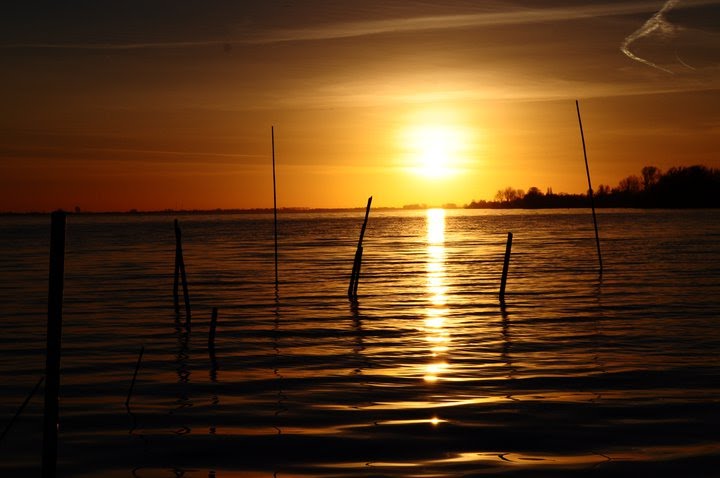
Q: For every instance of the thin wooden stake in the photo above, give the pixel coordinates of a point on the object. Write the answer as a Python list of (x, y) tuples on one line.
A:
[(590, 190), (211, 349), (275, 223), (22, 407), (357, 272), (137, 367), (211, 333), (180, 267), (506, 265), (176, 275), (367, 213), (355, 275), (54, 334)]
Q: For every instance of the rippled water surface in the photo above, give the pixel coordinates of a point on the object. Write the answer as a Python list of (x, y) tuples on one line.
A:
[(426, 375)]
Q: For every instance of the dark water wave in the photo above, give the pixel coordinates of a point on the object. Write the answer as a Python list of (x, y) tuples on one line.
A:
[(579, 374)]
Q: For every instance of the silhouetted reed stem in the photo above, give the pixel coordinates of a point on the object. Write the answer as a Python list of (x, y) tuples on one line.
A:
[(211, 350), (132, 383), (506, 265), (355, 275), (211, 333), (275, 223), (54, 334), (180, 271), (357, 271), (590, 190), (22, 407)]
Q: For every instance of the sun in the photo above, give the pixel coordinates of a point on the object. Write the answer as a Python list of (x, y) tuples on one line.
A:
[(435, 150)]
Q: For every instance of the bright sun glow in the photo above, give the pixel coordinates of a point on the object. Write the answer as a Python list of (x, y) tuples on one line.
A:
[(436, 150)]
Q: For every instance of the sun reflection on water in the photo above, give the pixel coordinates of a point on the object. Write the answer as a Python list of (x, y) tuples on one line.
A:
[(436, 312)]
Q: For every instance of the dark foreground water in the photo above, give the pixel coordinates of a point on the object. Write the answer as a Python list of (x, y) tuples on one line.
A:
[(426, 376)]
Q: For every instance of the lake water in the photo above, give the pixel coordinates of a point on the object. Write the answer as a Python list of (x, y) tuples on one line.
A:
[(580, 374)]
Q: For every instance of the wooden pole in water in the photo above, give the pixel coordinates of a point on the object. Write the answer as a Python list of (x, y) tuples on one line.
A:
[(132, 383), (176, 275), (355, 275), (180, 266), (367, 213), (54, 334), (357, 271), (275, 223), (22, 407), (506, 265), (590, 190), (211, 333)]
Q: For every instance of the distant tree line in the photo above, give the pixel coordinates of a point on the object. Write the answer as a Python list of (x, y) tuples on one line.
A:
[(678, 187)]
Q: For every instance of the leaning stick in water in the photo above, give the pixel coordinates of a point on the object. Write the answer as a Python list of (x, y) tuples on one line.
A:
[(22, 407), (357, 272), (180, 268), (506, 265), (590, 190), (275, 223), (132, 383), (211, 333), (355, 275)]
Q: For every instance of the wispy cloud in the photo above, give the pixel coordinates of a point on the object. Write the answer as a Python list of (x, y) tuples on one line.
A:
[(656, 25), (444, 22), (496, 17)]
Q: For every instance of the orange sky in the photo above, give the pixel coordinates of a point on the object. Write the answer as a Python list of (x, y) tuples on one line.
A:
[(128, 105)]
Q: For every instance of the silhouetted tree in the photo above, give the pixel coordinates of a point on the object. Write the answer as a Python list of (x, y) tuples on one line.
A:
[(685, 186), (508, 194), (692, 186), (650, 176), (533, 198), (631, 184), (533, 191)]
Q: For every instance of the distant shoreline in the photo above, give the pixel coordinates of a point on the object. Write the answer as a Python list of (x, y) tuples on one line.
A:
[(300, 210), (160, 212), (683, 187)]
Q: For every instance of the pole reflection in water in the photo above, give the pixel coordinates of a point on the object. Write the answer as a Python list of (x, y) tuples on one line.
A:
[(183, 372), (436, 310)]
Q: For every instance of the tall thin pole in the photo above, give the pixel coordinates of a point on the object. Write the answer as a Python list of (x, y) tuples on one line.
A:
[(132, 383), (22, 407), (506, 265), (180, 268), (176, 275), (54, 333), (357, 272), (355, 275), (272, 139), (590, 190), (211, 333), (367, 213)]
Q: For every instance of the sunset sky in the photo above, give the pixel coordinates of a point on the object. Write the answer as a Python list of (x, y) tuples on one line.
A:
[(165, 104)]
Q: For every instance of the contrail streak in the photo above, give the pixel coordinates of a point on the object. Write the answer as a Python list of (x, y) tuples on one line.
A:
[(683, 62), (656, 24), (362, 28)]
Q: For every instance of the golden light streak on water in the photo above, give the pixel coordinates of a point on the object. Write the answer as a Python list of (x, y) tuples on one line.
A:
[(436, 313), (436, 226)]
